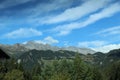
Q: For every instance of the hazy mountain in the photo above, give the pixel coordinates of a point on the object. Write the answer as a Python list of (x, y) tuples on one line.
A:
[(39, 46), (16, 48), (80, 50), (32, 53)]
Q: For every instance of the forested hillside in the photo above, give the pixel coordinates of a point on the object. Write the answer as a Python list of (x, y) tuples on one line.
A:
[(62, 65), (61, 68)]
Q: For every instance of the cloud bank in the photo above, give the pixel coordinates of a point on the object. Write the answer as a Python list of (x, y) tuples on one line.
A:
[(78, 12), (23, 33), (105, 13)]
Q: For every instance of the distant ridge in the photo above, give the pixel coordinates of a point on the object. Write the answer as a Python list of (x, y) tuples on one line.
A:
[(39, 46), (18, 48)]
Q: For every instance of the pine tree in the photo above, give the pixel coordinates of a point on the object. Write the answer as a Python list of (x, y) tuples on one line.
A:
[(79, 68), (113, 73), (14, 75)]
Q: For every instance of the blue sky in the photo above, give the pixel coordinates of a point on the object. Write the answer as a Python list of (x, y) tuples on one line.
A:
[(83, 23)]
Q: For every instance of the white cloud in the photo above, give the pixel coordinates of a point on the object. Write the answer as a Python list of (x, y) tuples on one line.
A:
[(107, 48), (23, 33), (75, 13), (10, 3), (34, 14), (43, 8), (110, 31), (50, 40), (99, 46), (47, 40), (96, 43), (107, 12)]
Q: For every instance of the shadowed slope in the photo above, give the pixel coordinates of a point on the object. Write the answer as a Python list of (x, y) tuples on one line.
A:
[(3, 55)]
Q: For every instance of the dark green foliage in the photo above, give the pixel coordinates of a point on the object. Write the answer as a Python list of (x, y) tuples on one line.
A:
[(31, 58), (79, 68), (60, 76), (96, 74), (27, 75), (3, 70), (47, 72), (14, 75), (113, 72), (60, 68)]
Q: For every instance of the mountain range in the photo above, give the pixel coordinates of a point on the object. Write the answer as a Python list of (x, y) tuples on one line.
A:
[(31, 53), (20, 48)]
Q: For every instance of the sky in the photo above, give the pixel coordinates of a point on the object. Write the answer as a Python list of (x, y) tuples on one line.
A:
[(91, 24)]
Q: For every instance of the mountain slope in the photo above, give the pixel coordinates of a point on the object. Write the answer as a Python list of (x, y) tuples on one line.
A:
[(38, 46), (14, 50), (21, 48), (33, 57)]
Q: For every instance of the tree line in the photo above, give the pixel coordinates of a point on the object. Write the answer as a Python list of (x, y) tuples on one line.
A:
[(62, 69)]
